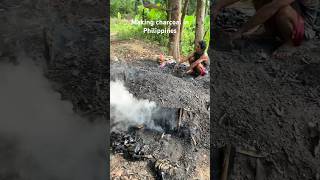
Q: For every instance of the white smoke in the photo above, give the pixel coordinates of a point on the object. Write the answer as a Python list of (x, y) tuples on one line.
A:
[(52, 141), (126, 110)]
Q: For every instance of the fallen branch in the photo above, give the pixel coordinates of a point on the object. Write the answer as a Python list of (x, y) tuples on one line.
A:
[(251, 153), (226, 161), (222, 118), (180, 118)]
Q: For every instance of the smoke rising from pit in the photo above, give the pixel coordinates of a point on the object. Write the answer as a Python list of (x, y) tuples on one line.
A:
[(126, 110), (41, 137)]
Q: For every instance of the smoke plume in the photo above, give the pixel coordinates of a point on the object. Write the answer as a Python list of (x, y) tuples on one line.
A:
[(126, 110), (41, 137)]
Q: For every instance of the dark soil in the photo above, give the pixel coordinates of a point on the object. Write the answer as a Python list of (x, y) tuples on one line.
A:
[(67, 40), (265, 105)]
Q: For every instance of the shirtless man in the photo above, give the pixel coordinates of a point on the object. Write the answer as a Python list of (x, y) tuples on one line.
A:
[(291, 20), (198, 60)]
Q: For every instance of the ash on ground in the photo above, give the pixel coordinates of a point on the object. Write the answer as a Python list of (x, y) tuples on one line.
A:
[(268, 109)]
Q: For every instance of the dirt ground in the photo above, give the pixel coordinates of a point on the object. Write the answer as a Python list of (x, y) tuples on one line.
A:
[(267, 109), (135, 63), (133, 50)]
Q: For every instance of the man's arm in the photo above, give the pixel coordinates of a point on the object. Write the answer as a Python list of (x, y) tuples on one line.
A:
[(200, 60), (263, 14)]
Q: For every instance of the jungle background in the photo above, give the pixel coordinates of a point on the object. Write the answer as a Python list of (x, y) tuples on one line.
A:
[(122, 12)]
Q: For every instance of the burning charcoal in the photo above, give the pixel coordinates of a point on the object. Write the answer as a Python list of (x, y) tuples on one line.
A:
[(123, 143), (126, 141), (119, 149), (128, 145), (131, 148), (136, 152)]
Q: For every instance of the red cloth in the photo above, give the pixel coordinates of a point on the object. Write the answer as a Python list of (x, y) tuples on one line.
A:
[(203, 71), (298, 32)]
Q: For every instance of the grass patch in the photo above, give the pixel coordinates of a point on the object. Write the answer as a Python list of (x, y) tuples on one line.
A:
[(124, 30)]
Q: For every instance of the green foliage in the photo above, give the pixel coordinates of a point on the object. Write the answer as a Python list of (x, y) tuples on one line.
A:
[(207, 29), (192, 7), (125, 30), (124, 7), (119, 15), (188, 33), (152, 15)]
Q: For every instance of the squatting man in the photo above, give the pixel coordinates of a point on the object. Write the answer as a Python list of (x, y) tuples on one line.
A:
[(198, 61), (290, 20)]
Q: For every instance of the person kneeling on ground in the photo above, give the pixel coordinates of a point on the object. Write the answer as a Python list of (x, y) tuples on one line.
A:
[(198, 60), (290, 20)]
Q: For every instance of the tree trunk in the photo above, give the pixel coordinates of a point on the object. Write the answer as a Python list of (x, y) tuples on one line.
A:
[(174, 49), (200, 20), (143, 15), (136, 3), (207, 8), (185, 7), (167, 10)]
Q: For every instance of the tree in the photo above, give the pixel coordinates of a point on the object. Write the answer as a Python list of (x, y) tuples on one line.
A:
[(136, 3), (149, 5), (207, 8), (174, 41), (168, 12), (184, 11), (200, 20), (191, 7)]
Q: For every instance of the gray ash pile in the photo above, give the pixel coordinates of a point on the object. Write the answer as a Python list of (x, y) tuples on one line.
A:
[(174, 69), (153, 116), (317, 29), (76, 60), (231, 18), (228, 20), (317, 26)]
